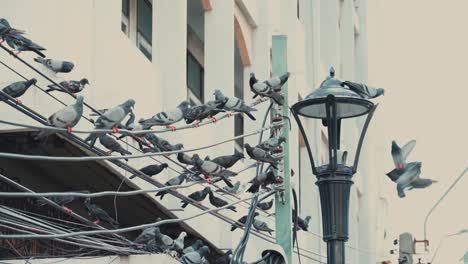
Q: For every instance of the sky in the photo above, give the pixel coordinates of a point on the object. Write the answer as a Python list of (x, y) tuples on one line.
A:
[(423, 63)]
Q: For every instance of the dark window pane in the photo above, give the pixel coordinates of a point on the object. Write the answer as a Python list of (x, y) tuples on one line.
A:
[(145, 19), (125, 7), (194, 76), (145, 52), (239, 129)]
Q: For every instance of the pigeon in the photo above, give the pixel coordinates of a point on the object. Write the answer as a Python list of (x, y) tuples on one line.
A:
[(167, 118), (262, 179), (232, 190), (66, 117), (197, 196), (400, 155), (145, 236), (22, 43), (179, 242), (130, 125), (272, 143), (200, 112), (152, 170), (242, 221), (225, 258), (262, 226), (261, 155), (194, 247), (113, 146), (56, 65), (195, 257), (218, 202), (408, 178), (17, 89), (111, 119), (302, 224), (172, 182), (69, 86), (161, 144), (234, 104), (363, 90), (164, 242), (7, 32), (184, 158), (229, 160), (269, 88), (266, 205), (60, 200), (209, 168), (98, 213)]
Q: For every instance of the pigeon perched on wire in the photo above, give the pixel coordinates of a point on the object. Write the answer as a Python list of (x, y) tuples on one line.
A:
[(152, 170), (272, 144), (60, 200), (242, 221), (195, 257), (218, 202), (113, 146), (408, 178), (234, 104), (167, 118), (210, 169), (179, 242), (229, 160), (261, 155), (56, 65), (232, 190), (363, 90), (111, 119), (225, 258), (17, 89), (265, 205), (184, 158), (263, 179), (130, 125), (194, 247), (69, 86), (269, 88), (173, 182), (21, 43), (262, 226), (302, 224), (66, 117), (200, 112), (197, 196), (99, 214), (6, 31), (161, 144)]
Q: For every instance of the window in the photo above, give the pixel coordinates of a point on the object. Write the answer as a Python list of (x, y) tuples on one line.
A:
[(137, 23), (195, 79)]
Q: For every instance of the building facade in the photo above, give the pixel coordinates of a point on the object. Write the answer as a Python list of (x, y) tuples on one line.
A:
[(161, 52)]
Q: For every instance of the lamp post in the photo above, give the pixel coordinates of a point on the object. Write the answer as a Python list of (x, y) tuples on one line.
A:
[(332, 103)]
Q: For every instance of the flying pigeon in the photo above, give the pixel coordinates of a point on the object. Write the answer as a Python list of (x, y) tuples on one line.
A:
[(234, 104), (179, 242), (184, 158), (400, 155), (194, 247), (56, 65), (162, 144), (218, 202), (261, 155), (200, 112), (17, 89), (197, 196), (66, 117), (272, 143), (262, 226), (229, 160), (69, 86), (111, 119), (6, 31), (232, 190), (99, 214), (152, 170), (21, 43), (265, 205), (195, 257), (262, 179), (167, 118), (225, 258), (172, 182), (209, 169), (363, 90), (242, 221), (408, 178), (269, 88)]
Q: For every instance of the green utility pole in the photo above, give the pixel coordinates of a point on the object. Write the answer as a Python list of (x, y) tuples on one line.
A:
[(283, 202)]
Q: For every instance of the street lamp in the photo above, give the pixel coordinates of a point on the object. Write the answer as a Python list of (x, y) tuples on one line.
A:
[(332, 103)]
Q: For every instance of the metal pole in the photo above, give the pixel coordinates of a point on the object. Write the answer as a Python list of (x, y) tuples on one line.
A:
[(283, 202), (437, 203)]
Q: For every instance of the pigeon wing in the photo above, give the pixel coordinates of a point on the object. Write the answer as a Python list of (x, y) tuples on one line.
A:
[(407, 148)]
